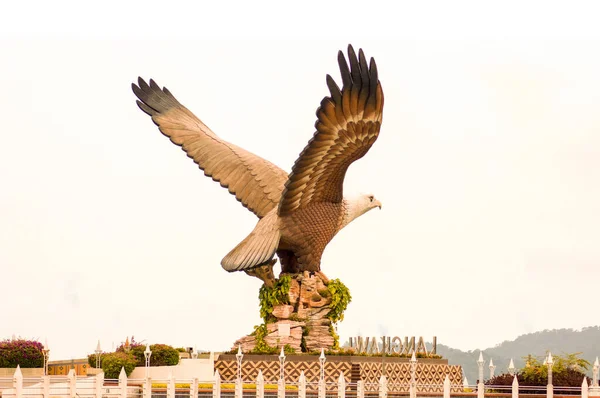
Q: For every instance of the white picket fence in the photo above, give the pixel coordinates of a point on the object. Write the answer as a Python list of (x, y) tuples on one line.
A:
[(73, 386)]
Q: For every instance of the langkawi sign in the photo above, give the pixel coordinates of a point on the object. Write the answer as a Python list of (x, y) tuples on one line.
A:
[(391, 345)]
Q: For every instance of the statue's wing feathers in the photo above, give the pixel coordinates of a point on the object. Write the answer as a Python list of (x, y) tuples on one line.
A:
[(255, 182), (348, 124), (256, 249)]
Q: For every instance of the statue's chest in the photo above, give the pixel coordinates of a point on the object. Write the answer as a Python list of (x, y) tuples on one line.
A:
[(318, 223)]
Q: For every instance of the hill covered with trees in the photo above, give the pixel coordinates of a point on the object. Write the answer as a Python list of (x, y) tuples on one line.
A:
[(558, 341)]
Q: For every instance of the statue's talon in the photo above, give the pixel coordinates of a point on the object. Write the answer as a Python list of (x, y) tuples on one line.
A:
[(264, 273), (321, 275)]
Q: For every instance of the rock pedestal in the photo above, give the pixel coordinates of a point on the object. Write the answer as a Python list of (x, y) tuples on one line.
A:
[(304, 318)]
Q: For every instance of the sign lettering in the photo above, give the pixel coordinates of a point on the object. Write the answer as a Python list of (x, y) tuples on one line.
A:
[(392, 345)]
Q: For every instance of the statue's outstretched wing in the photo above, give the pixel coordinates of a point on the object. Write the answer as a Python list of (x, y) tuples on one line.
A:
[(255, 182), (348, 124)]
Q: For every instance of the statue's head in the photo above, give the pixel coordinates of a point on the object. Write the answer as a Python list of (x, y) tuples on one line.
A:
[(368, 202), (359, 205)]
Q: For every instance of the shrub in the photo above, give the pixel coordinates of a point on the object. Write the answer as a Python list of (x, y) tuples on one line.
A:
[(113, 363), (269, 297), (25, 353), (138, 353), (260, 332), (340, 298), (92, 359), (162, 355), (567, 371)]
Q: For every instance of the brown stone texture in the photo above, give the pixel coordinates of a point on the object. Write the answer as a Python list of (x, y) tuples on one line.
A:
[(307, 312), (283, 311), (318, 337), (273, 339), (294, 339)]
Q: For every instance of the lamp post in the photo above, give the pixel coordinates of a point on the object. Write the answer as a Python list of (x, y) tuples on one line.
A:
[(147, 355), (511, 368), (281, 364), (480, 385), (322, 360), (239, 356), (98, 353), (480, 363), (492, 368), (595, 369), (46, 352), (549, 362)]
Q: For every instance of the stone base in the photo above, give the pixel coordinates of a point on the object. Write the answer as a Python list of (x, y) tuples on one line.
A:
[(304, 318), (273, 338)]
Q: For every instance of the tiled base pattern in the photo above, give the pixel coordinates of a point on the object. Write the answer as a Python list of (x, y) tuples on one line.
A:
[(429, 376)]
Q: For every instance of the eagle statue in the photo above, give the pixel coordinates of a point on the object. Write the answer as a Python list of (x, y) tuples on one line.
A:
[(300, 212)]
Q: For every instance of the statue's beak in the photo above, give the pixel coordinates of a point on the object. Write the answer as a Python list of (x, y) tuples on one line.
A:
[(378, 204)]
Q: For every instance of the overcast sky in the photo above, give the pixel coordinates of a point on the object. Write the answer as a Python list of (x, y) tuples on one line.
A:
[(487, 166)]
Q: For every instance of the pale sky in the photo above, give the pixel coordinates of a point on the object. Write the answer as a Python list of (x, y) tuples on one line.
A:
[(487, 165)]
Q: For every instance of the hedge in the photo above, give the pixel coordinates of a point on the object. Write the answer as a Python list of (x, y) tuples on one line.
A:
[(162, 355), (25, 353), (113, 363)]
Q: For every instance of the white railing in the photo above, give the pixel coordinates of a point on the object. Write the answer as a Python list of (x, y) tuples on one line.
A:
[(73, 386)]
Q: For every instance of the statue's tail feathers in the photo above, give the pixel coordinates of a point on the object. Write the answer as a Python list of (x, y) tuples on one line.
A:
[(257, 249)]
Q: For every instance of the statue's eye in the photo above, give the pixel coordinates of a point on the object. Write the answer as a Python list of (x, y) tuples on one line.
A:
[(371, 198)]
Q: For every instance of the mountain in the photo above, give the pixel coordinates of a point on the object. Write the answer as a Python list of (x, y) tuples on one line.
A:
[(557, 341)]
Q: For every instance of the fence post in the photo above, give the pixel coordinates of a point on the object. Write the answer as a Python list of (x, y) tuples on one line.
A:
[(382, 387), (123, 383), (302, 385), (46, 386), (341, 386), (217, 385), (321, 388), (480, 389), (260, 385), (18, 382), (72, 383), (239, 388), (281, 388), (147, 388), (170, 386), (594, 389), (515, 387), (360, 389), (99, 383), (194, 388), (584, 388), (447, 387)]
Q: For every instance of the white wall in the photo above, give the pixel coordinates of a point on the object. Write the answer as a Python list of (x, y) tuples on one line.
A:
[(202, 368), (27, 372)]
